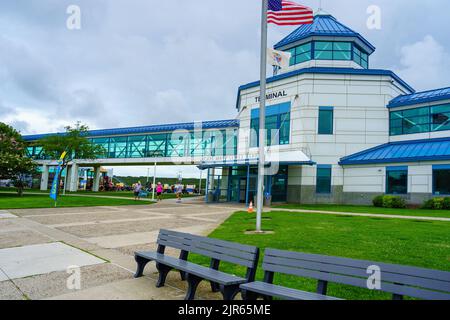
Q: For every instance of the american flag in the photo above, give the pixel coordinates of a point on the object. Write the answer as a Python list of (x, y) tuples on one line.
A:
[(288, 13)]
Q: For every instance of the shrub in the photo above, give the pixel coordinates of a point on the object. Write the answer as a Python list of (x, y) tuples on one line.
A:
[(446, 204), (378, 201), (398, 202), (437, 204), (389, 202)]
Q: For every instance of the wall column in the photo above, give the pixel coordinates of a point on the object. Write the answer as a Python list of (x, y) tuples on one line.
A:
[(44, 178), (73, 178), (97, 175)]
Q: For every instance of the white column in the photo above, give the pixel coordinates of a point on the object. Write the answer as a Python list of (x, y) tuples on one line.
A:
[(44, 178), (97, 175), (73, 178), (68, 178)]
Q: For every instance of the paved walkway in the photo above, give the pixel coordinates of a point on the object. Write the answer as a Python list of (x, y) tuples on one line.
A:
[(112, 234)]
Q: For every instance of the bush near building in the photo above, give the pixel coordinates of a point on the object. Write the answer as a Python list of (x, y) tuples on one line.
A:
[(437, 204), (386, 201)]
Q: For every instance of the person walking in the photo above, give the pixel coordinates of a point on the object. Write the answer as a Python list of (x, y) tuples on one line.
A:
[(159, 191), (137, 190), (179, 191)]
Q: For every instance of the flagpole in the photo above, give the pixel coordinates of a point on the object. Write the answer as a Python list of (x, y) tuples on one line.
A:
[(262, 116)]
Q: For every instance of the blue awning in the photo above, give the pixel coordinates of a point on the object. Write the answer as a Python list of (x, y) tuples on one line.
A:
[(403, 151), (420, 97)]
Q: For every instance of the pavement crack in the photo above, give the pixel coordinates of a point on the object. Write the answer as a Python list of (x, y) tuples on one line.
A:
[(14, 284)]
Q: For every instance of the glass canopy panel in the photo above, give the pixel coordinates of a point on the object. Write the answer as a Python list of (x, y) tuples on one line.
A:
[(156, 147), (137, 146), (118, 147)]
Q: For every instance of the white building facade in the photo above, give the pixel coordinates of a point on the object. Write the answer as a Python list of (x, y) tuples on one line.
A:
[(333, 109)]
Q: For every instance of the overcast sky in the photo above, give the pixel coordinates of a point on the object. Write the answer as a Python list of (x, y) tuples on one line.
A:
[(141, 62)]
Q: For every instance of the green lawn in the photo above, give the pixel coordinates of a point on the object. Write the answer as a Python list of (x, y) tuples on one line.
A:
[(367, 209), (124, 194), (407, 242), (10, 201)]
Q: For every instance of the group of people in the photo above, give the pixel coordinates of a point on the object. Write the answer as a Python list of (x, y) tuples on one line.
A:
[(178, 190)]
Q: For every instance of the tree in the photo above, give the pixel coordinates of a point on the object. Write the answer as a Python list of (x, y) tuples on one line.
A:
[(75, 142), (14, 164)]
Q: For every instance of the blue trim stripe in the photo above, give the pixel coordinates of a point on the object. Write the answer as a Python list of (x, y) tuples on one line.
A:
[(273, 110), (441, 167), (324, 70), (403, 151), (326, 108), (420, 97), (397, 168), (324, 166), (220, 124)]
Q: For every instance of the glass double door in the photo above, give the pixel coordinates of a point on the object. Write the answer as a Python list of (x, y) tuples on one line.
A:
[(238, 189)]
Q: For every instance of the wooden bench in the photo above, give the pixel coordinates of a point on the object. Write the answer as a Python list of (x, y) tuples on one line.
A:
[(217, 250), (398, 280)]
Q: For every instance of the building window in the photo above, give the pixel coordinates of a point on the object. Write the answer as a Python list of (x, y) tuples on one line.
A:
[(328, 50), (300, 54), (440, 118), (441, 180), (332, 50), (278, 125), (323, 179), (397, 180), (420, 120), (360, 57), (326, 115)]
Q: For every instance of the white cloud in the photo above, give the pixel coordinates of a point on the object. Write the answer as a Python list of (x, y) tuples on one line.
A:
[(425, 64)]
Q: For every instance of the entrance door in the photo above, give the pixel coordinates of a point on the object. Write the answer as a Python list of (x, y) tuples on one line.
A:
[(233, 195), (242, 189), (279, 188)]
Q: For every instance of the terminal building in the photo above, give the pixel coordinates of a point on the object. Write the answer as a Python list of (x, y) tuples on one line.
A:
[(338, 131)]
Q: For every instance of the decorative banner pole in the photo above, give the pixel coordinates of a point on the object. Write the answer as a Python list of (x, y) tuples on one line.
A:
[(262, 116), (55, 185)]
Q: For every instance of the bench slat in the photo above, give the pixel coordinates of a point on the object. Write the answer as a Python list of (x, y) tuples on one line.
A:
[(232, 252), (192, 268), (212, 241), (283, 292), (210, 254), (271, 261), (359, 282), (392, 268)]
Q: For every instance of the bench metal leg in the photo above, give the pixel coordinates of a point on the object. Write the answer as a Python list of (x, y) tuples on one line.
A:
[(215, 287), (267, 298), (229, 292), (141, 263), (183, 275), (163, 271), (193, 282), (248, 295)]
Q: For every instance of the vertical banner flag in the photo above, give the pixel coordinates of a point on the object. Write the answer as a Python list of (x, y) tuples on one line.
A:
[(278, 58), (288, 13), (55, 184)]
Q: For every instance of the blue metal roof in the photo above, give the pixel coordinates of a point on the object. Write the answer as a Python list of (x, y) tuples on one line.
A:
[(219, 124), (323, 25), (420, 97), (322, 70), (403, 151)]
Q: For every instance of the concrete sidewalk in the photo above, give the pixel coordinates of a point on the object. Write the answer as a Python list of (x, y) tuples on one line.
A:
[(112, 234)]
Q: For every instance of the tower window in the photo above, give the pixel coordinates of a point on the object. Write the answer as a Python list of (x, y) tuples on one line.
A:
[(326, 116)]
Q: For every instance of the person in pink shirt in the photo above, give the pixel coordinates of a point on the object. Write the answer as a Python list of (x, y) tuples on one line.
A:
[(159, 191)]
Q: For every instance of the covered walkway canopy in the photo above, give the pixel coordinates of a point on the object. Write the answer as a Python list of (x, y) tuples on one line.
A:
[(271, 157)]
